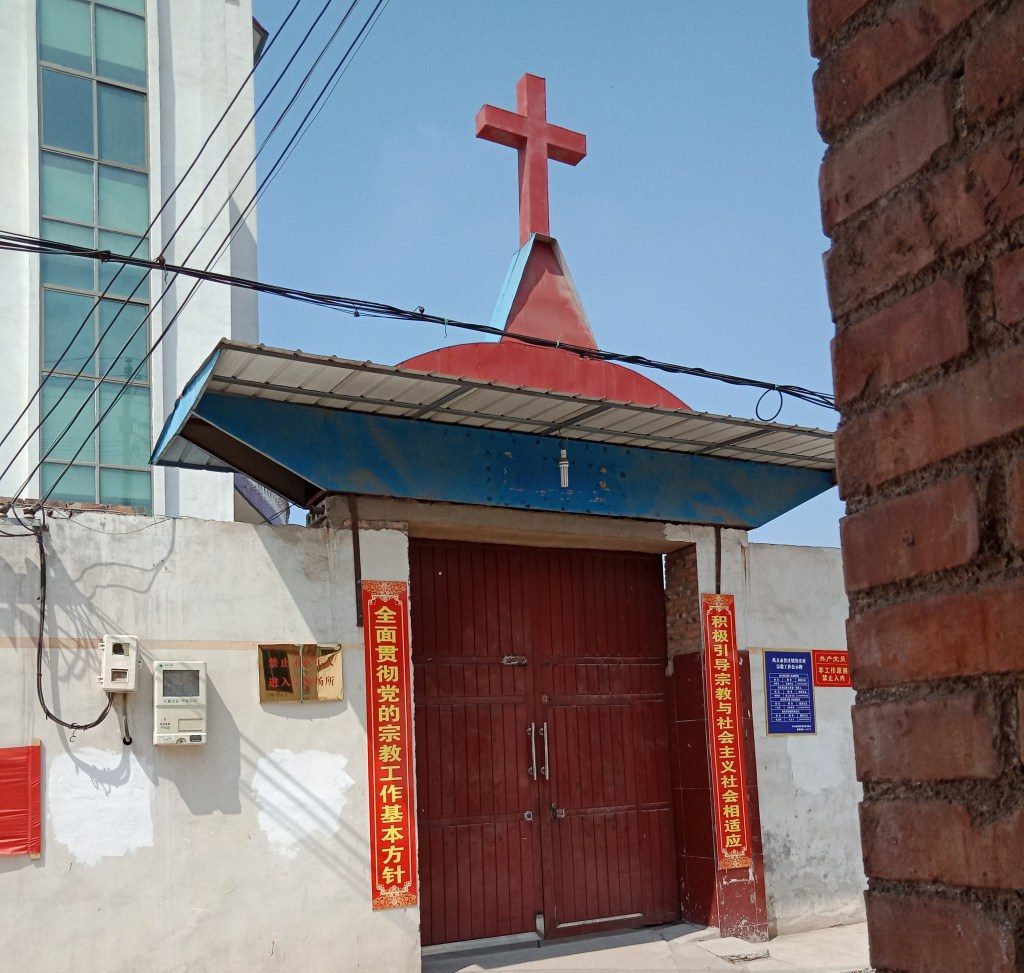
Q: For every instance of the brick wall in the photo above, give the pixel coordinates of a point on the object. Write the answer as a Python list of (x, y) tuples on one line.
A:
[(921, 103)]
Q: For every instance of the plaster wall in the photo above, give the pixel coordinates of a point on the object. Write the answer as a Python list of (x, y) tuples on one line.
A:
[(251, 852), (793, 598), (200, 51)]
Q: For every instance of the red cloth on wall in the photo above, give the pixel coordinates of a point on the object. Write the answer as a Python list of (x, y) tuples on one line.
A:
[(20, 801)]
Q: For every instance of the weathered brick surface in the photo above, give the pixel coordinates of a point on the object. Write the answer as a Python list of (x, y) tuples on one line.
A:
[(936, 841), (884, 153), (1015, 502), (953, 209), (966, 633), (972, 407), (878, 56), (827, 17), (926, 283), (994, 67), (923, 532), (1008, 283), (950, 738), (911, 336), (929, 935)]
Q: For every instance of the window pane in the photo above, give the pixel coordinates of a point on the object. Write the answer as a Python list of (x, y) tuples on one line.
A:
[(120, 47), (64, 33), (124, 328), (124, 200), (66, 188), (135, 6), (63, 315), (122, 125), (124, 433), (79, 483), (53, 425), (127, 489), (67, 112), (67, 271), (124, 285)]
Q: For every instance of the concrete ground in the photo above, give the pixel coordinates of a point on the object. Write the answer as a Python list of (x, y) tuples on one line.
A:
[(841, 949)]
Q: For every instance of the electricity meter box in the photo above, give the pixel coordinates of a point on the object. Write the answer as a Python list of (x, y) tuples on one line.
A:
[(120, 661), (179, 703)]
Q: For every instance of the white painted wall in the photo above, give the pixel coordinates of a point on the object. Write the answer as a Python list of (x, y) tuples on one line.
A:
[(251, 853), (794, 598), (199, 53)]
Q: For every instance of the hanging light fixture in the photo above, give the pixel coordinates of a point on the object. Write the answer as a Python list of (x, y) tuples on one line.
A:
[(563, 469)]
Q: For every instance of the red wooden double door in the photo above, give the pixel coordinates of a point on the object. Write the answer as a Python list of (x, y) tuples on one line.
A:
[(542, 757)]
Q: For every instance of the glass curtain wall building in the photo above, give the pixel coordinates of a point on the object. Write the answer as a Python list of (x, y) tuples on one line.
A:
[(94, 191)]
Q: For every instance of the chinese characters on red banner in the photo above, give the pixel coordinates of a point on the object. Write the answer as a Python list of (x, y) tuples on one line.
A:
[(389, 740), (725, 731), (831, 668)]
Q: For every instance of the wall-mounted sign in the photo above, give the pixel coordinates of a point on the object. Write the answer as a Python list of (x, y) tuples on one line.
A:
[(831, 668), (393, 883), (300, 673), (788, 692), (725, 731)]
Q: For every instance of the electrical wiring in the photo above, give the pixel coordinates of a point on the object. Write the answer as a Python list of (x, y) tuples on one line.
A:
[(162, 265), (362, 308), (50, 715), (152, 223), (145, 359), (160, 262)]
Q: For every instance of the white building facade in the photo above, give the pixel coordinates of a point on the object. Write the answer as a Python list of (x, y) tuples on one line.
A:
[(106, 104)]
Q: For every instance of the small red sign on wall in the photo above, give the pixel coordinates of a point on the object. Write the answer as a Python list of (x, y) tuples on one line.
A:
[(20, 808), (389, 740), (831, 668), (725, 731)]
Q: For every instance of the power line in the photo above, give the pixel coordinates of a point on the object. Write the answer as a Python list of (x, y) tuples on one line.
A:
[(152, 223), (362, 308), (160, 262), (324, 89)]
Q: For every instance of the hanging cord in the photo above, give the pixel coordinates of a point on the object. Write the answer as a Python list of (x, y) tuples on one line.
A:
[(126, 736), (50, 715), (775, 414)]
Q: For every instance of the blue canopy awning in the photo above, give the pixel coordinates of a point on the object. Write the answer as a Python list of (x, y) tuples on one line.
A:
[(307, 426)]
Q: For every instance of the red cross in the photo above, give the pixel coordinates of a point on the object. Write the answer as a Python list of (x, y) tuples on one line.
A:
[(527, 129)]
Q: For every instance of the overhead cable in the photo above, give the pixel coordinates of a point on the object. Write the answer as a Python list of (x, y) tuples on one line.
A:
[(362, 308), (143, 362)]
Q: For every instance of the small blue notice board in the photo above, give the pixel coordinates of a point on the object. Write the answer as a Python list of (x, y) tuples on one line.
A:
[(789, 692)]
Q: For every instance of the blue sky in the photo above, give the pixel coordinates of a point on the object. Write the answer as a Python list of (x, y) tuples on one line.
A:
[(692, 228)]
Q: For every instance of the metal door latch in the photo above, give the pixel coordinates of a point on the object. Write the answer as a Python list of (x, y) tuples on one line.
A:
[(557, 812), (513, 660), (527, 815)]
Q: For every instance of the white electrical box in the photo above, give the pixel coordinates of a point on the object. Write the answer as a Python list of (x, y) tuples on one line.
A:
[(120, 661), (179, 703)]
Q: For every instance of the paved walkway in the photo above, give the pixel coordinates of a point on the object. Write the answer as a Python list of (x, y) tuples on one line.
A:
[(842, 949)]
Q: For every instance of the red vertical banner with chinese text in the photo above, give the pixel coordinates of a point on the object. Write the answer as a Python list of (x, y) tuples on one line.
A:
[(725, 731), (389, 741)]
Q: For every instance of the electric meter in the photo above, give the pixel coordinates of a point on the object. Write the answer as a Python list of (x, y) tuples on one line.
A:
[(120, 660), (179, 702)]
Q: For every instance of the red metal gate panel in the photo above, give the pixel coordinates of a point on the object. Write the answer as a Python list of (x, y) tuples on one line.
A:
[(601, 658), (479, 858), (599, 851)]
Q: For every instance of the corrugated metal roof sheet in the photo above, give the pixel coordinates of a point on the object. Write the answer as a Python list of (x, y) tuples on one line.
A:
[(337, 383)]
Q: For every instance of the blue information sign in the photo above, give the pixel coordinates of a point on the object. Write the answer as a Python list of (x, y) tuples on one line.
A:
[(789, 692)]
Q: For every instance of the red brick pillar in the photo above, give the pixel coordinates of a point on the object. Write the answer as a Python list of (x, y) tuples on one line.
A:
[(922, 192)]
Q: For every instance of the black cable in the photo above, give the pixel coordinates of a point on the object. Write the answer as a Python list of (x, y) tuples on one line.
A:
[(160, 261), (126, 735), (190, 294), (162, 265), (361, 308), (152, 223), (50, 715)]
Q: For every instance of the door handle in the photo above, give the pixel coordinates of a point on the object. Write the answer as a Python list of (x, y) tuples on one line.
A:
[(546, 769), (531, 732), (557, 813)]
